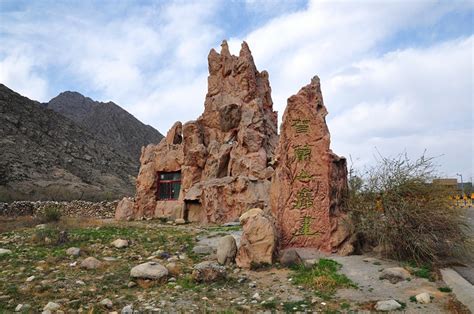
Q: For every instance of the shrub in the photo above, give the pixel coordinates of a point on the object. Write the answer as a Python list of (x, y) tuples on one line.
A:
[(52, 213), (394, 206)]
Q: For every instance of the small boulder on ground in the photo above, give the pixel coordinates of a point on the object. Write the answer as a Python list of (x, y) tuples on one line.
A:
[(226, 250), (91, 263), (290, 258), (149, 270), (120, 243), (388, 305), (395, 274), (128, 309), (51, 306), (4, 251), (180, 221), (106, 303), (423, 298), (208, 271), (73, 251), (124, 210), (173, 268)]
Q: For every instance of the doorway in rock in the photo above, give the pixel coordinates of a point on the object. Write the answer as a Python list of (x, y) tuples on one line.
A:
[(194, 212)]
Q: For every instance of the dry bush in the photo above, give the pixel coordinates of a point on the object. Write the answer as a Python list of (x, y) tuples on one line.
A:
[(395, 207)]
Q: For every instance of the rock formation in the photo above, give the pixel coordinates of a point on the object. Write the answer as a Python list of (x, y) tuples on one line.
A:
[(310, 181), (223, 158), (258, 245)]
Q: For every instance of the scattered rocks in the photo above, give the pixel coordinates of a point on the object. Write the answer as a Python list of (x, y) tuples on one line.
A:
[(91, 263), (120, 243), (388, 305), (51, 306), (22, 307), (226, 250), (202, 249), (208, 271), (395, 274), (73, 251), (106, 303), (149, 270), (290, 258), (5, 252), (423, 298)]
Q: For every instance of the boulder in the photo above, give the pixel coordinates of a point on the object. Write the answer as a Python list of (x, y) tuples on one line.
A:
[(423, 298), (310, 181), (173, 269), (91, 263), (258, 243), (208, 271), (226, 250), (149, 270), (119, 243), (387, 305), (250, 213), (73, 251), (106, 303), (124, 210), (395, 274), (290, 257)]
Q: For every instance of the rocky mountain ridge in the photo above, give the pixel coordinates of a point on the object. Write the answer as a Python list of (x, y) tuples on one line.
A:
[(45, 155), (107, 121)]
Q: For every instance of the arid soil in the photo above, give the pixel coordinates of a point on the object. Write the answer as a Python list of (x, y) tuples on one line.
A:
[(38, 270)]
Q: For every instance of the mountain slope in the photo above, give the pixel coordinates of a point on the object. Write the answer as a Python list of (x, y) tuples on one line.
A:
[(108, 122), (44, 155)]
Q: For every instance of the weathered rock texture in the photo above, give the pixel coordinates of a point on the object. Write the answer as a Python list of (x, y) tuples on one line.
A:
[(258, 245), (224, 156), (310, 181)]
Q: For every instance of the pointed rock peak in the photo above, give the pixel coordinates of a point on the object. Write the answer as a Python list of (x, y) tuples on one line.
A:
[(245, 50), (225, 48), (315, 80)]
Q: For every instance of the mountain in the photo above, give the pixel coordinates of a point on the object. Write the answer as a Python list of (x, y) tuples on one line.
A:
[(44, 155), (108, 122)]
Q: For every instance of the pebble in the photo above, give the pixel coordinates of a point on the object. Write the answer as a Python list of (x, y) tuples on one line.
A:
[(5, 251), (30, 279), (131, 284), (107, 303), (128, 309), (256, 296), (51, 306)]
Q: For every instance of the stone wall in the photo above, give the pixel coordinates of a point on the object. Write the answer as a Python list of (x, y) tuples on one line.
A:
[(102, 209)]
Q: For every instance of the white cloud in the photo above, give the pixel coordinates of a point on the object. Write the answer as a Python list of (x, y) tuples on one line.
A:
[(19, 72), (413, 99)]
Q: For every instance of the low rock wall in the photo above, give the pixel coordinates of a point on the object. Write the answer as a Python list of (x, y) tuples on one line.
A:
[(105, 209)]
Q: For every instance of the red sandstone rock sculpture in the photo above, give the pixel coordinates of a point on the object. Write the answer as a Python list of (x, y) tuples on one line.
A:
[(310, 181), (224, 156)]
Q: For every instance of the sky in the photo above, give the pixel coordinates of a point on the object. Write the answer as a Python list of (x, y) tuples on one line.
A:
[(396, 75)]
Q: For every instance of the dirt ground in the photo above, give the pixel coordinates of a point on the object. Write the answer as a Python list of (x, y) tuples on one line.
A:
[(39, 271)]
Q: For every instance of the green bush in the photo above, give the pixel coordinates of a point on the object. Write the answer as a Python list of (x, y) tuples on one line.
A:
[(395, 207), (52, 214)]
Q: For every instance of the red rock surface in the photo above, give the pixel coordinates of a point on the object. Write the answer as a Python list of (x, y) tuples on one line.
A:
[(310, 180), (224, 156)]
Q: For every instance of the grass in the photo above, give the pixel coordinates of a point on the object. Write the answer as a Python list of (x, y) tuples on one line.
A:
[(294, 306), (445, 289), (323, 277)]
